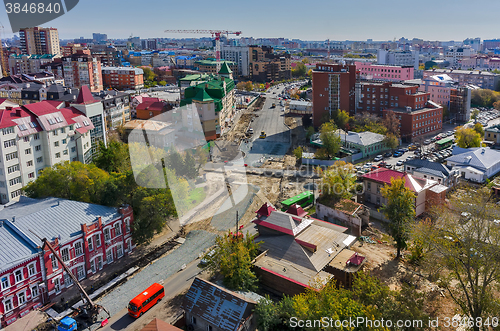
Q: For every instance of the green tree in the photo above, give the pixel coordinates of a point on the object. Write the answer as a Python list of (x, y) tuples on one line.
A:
[(474, 114), (249, 86), (369, 122), (148, 74), (338, 181), (309, 132), (478, 127), (114, 157), (330, 139), (241, 86), (233, 259), (300, 70), (391, 141), (162, 82), (399, 210), (467, 138), (190, 166), (297, 152), (465, 242)]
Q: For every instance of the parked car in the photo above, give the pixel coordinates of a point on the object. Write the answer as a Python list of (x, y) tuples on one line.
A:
[(397, 154), (388, 154), (412, 147), (427, 141), (399, 163), (378, 158)]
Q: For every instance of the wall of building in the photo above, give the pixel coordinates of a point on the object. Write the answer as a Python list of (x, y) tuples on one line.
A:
[(329, 214)]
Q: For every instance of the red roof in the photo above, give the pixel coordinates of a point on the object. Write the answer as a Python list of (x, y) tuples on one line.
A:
[(7, 117), (296, 210), (158, 105), (355, 259), (274, 227), (265, 210), (85, 96), (43, 107), (384, 175)]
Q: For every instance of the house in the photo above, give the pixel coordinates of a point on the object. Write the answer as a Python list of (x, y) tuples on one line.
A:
[(475, 164), (208, 306), (432, 170), (160, 134), (345, 266), (375, 180), (295, 249), (368, 143), (492, 133), (87, 237), (345, 212), (21, 282), (151, 108)]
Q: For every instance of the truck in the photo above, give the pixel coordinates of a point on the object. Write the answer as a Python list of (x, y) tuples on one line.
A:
[(67, 324)]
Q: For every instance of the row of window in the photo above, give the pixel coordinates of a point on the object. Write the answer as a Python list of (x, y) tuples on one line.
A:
[(18, 276), (8, 304)]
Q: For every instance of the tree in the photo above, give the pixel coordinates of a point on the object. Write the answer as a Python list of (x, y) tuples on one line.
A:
[(162, 82), (399, 210), (369, 122), (190, 166), (309, 132), (475, 114), (465, 241), (391, 123), (233, 257), (298, 152), (391, 141), (240, 86), (330, 139), (149, 75), (249, 86), (300, 70), (478, 127), (338, 181), (114, 157), (467, 138)]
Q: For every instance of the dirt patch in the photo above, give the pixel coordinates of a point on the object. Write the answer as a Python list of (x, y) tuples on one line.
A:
[(291, 122)]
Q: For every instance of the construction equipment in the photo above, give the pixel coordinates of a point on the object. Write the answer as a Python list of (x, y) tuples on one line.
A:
[(215, 33), (90, 310)]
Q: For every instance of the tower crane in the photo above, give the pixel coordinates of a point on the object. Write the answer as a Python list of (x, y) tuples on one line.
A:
[(215, 34), (3, 62)]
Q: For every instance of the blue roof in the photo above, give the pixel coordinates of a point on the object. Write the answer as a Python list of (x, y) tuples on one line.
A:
[(14, 247), (54, 217), (435, 168)]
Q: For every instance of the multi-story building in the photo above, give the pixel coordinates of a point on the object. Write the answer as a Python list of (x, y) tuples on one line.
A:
[(39, 40), (474, 43), (186, 62), (86, 237), (333, 88), (81, 69), (36, 136), (491, 44), (70, 48), (99, 37), (483, 79), (13, 92), (459, 107), (160, 134), (398, 58), (116, 107), (123, 78), (109, 55), (266, 66), (24, 64), (55, 67), (239, 55), (210, 65), (454, 55), (384, 72), (214, 103), (94, 110)]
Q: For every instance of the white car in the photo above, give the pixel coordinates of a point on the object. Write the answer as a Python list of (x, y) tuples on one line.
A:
[(378, 158), (399, 163)]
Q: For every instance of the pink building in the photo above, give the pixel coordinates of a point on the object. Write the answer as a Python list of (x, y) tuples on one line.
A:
[(21, 283), (384, 72), (87, 237)]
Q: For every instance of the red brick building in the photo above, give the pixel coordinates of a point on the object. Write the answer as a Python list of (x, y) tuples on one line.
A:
[(333, 88), (81, 68), (123, 78), (417, 114)]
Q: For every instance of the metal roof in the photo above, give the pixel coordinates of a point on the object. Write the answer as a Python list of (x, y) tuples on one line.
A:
[(15, 249), (54, 217), (481, 158), (366, 138)]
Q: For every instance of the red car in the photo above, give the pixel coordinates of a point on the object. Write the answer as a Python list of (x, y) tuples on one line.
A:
[(438, 138)]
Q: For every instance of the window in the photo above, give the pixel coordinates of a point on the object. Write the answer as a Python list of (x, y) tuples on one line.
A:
[(98, 240), (127, 224), (91, 246), (18, 274), (31, 269), (34, 291), (65, 254), (27, 151), (92, 266), (21, 298), (15, 194), (36, 136), (68, 281), (57, 286), (38, 148), (7, 305), (9, 143), (109, 256), (13, 168), (31, 174), (58, 155), (64, 141), (369, 185), (80, 272), (209, 328), (5, 282), (63, 130), (39, 159), (65, 152), (118, 230), (56, 143), (119, 250), (78, 248), (8, 130), (54, 261), (106, 234), (26, 139), (14, 181), (54, 133), (73, 149), (11, 156)]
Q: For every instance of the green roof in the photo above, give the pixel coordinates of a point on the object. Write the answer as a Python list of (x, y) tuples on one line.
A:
[(202, 95), (213, 62), (195, 77), (225, 69)]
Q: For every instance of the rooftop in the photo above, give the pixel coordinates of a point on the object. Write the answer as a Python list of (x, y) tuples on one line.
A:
[(414, 184), (481, 158)]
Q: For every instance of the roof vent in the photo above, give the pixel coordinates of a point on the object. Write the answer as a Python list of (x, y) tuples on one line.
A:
[(482, 151), (1, 224), (13, 219)]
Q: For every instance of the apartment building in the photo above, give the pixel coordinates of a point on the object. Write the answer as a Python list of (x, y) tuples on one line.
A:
[(39, 40), (483, 79), (71, 48), (24, 64), (81, 69), (116, 107), (398, 58), (454, 55), (109, 55), (384, 72), (239, 55), (37, 136), (123, 78), (333, 87), (86, 237), (210, 66), (266, 66)]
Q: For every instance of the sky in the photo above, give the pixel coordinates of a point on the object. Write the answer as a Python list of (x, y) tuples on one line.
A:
[(293, 19)]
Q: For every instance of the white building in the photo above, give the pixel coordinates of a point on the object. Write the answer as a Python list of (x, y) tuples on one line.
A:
[(475, 164), (454, 55), (36, 136), (238, 54), (398, 58)]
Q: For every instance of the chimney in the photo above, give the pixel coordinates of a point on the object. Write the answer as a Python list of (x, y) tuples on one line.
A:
[(18, 112), (13, 219), (8, 108)]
